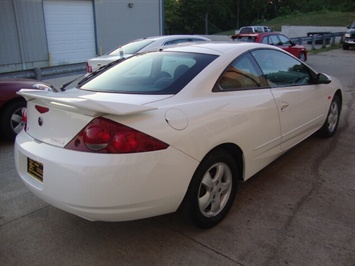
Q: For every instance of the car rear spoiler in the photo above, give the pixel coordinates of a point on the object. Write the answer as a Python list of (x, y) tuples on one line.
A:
[(102, 107)]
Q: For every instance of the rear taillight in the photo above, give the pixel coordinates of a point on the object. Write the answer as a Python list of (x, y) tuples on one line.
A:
[(105, 136), (24, 117), (88, 68)]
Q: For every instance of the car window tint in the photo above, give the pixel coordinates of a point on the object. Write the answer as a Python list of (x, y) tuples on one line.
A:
[(241, 74), (131, 48), (246, 30), (245, 38), (150, 73), (176, 41), (274, 40), (284, 40), (281, 69), (265, 40)]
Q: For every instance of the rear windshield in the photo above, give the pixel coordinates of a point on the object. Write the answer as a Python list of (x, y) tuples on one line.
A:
[(246, 30), (132, 47), (151, 73), (245, 38)]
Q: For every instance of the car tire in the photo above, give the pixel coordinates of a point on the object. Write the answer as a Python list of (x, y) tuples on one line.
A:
[(345, 46), (211, 191), (11, 119), (302, 57), (331, 123)]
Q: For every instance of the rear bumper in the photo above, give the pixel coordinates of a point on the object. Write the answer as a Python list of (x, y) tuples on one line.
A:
[(106, 187)]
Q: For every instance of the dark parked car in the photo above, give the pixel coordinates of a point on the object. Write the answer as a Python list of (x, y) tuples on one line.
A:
[(349, 37), (12, 104), (276, 39)]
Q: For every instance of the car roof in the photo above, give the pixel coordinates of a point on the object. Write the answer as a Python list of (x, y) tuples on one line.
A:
[(255, 34), (218, 48), (171, 37)]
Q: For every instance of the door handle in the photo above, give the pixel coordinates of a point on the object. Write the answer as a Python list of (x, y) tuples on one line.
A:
[(283, 105)]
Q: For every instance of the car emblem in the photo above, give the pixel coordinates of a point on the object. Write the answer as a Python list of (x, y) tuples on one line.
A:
[(40, 121)]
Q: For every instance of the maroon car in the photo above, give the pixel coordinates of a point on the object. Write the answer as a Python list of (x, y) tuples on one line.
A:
[(276, 39), (12, 105)]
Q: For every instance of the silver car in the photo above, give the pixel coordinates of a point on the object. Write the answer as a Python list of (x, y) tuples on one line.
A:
[(140, 45)]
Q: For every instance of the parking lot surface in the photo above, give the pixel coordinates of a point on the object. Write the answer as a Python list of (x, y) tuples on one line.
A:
[(300, 210)]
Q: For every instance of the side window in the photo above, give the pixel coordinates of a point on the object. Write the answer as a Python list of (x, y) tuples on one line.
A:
[(280, 69), (265, 40), (242, 73), (284, 40), (274, 40)]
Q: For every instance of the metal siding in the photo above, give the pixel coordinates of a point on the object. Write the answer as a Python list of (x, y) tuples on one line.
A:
[(70, 31), (117, 24), (9, 44), (33, 31)]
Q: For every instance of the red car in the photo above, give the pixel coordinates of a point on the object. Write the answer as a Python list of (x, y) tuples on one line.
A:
[(12, 104), (276, 39)]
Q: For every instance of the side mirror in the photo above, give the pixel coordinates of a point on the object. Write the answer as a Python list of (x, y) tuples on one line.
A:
[(322, 79)]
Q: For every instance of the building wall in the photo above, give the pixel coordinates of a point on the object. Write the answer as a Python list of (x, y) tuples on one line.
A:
[(23, 36), (23, 42), (121, 21)]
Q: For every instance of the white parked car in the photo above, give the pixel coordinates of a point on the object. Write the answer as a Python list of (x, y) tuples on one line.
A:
[(171, 130), (138, 46)]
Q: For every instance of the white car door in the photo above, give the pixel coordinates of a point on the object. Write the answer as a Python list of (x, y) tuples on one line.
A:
[(300, 103), (255, 116)]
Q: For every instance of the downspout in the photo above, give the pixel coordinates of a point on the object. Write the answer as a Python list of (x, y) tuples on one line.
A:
[(98, 51)]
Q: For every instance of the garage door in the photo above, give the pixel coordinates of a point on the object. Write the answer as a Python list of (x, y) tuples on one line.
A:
[(70, 31)]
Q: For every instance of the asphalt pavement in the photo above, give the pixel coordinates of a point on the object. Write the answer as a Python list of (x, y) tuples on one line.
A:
[(300, 210)]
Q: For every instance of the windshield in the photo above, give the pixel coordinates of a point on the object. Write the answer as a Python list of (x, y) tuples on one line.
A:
[(151, 73), (132, 47)]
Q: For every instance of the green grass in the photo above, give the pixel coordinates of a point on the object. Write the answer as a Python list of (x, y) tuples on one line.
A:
[(318, 18)]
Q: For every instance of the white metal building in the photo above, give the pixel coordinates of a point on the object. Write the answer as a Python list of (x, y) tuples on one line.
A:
[(40, 33)]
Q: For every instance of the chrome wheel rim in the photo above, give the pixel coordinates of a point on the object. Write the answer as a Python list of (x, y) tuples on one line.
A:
[(16, 121), (333, 116), (215, 189)]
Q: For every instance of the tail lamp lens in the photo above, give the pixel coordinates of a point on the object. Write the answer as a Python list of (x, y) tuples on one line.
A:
[(24, 117), (88, 68), (105, 136)]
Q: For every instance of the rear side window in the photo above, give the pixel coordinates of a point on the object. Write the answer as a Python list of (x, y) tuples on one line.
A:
[(150, 73), (246, 30)]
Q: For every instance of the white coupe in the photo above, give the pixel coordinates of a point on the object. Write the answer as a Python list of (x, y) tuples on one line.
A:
[(171, 130)]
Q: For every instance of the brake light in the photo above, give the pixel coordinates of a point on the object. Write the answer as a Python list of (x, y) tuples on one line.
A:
[(24, 117), (41, 109), (88, 68), (105, 136)]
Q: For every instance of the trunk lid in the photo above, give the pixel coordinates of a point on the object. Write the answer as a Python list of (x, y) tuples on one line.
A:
[(56, 118)]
